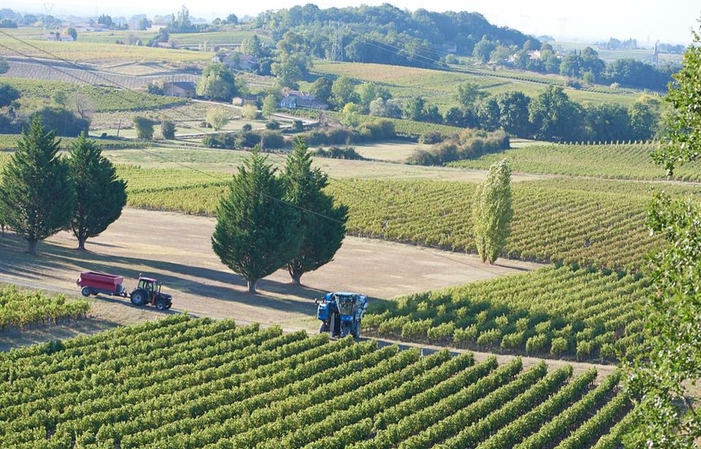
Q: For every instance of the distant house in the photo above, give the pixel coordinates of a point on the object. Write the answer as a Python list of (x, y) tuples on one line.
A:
[(236, 61), (294, 99), (183, 89), (244, 100)]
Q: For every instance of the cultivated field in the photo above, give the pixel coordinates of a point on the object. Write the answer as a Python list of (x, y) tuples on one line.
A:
[(438, 86), (217, 384), (568, 288)]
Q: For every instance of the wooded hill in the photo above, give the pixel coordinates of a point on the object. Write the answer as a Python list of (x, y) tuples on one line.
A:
[(386, 34)]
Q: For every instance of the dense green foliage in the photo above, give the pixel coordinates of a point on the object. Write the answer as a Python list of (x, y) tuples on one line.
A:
[(100, 194), (557, 312), (36, 193), (20, 308), (492, 212), (322, 224), (256, 232), (468, 144), (213, 384), (666, 375), (385, 34), (218, 82), (143, 126)]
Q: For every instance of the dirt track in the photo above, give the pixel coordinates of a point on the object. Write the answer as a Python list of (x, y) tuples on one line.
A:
[(176, 249)]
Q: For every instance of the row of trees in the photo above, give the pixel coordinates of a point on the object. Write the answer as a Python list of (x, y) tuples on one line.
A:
[(550, 116), (267, 222), (42, 193)]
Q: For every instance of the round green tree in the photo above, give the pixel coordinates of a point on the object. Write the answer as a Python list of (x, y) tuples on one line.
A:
[(36, 193), (256, 231), (492, 212), (100, 194), (218, 83)]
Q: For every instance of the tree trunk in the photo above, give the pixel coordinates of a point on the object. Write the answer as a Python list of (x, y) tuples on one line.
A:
[(81, 244), (252, 286), (32, 247), (296, 277)]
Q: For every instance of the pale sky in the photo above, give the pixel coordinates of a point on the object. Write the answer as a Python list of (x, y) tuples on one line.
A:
[(590, 20)]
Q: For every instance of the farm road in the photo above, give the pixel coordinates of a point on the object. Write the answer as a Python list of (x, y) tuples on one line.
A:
[(176, 249)]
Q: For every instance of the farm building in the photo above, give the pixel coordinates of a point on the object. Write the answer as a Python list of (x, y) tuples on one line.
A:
[(183, 89), (293, 99)]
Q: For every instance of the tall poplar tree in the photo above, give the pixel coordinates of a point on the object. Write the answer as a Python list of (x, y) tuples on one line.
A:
[(256, 231), (492, 212), (100, 194), (322, 223), (36, 193), (663, 378)]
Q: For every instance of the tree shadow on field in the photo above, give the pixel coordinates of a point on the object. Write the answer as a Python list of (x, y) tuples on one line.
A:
[(53, 262)]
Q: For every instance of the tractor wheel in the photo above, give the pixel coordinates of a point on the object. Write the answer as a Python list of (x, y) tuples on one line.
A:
[(86, 291), (138, 298), (161, 305)]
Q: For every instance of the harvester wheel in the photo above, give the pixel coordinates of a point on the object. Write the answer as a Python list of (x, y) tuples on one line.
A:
[(323, 327), (86, 291), (138, 298)]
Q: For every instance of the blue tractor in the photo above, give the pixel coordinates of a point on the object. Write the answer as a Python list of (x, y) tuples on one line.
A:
[(341, 312)]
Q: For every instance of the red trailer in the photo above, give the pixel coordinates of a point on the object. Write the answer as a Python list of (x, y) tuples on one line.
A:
[(148, 290), (94, 282)]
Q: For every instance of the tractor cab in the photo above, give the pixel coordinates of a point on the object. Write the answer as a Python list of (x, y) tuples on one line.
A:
[(341, 313), (148, 291), (346, 303), (150, 286)]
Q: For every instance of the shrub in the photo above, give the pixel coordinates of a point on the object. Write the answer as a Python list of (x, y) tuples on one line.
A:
[(416, 329), (441, 332), (431, 138), (501, 321), (558, 346), (393, 325), (144, 127), (585, 348), (347, 153), (489, 337), (168, 129), (271, 140), (512, 341), (536, 343), (465, 335)]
